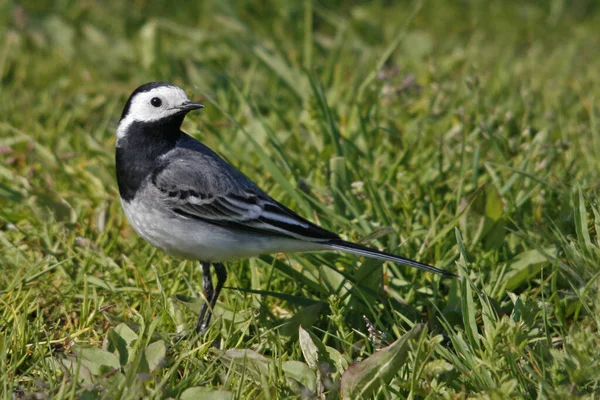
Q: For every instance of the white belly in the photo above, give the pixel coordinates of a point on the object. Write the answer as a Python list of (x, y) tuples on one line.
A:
[(197, 240)]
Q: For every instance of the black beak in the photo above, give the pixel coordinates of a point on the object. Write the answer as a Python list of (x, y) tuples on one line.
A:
[(189, 106)]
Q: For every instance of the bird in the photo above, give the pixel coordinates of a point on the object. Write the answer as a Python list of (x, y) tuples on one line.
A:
[(183, 198)]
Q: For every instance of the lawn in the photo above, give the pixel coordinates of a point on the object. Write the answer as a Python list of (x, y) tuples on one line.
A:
[(462, 134)]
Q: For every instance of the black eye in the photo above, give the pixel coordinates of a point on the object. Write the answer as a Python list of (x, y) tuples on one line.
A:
[(156, 102)]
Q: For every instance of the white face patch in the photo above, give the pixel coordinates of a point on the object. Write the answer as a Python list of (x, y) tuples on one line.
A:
[(152, 105)]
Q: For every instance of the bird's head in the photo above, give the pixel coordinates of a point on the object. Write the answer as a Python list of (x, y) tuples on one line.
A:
[(156, 103)]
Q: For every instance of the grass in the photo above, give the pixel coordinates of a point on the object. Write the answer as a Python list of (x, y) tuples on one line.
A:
[(465, 136)]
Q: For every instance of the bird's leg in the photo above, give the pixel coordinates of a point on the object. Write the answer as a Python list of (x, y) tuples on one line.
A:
[(208, 295), (221, 278)]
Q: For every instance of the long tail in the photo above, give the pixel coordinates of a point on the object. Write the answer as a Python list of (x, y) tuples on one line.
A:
[(354, 248)]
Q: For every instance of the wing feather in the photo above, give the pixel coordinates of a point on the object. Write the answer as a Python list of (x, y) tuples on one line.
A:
[(199, 185)]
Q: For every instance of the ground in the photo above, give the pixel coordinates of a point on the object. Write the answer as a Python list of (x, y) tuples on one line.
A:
[(461, 134)]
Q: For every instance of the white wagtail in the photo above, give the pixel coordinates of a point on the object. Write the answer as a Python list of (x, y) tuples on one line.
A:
[(183, 198)]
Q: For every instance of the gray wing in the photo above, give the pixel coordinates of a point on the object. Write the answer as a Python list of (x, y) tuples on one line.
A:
[(196, 183)]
